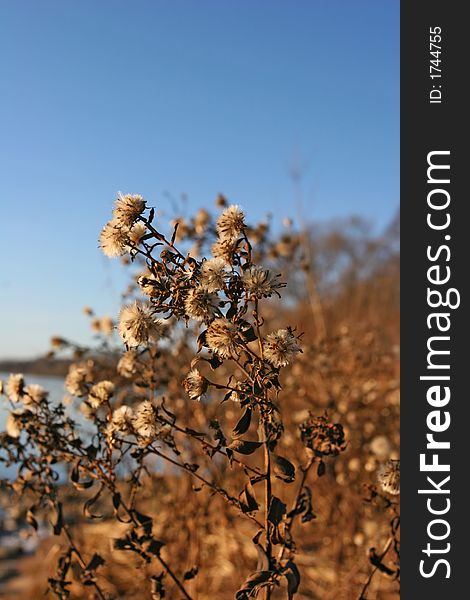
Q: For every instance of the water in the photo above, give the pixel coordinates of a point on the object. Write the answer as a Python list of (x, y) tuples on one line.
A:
[(55, 387), (12, 541)]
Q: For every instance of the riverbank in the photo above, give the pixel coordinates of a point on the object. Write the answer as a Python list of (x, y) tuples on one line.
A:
[(52, 367)]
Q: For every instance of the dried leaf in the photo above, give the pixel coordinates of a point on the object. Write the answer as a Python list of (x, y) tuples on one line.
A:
[(158, 591), (263, 559), (283, 468), (145, 521), (215, 362), (201, 340), (277, 509), (247, 499), (57, 527), (75, 478), (95, 561), (253, 584), (243, 424), (375, 560), (89, 503), (291, 573), (248, 333), (244, 446), (191, 574)]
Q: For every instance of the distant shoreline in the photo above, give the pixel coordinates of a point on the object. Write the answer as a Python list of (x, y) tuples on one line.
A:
[(36, 366)]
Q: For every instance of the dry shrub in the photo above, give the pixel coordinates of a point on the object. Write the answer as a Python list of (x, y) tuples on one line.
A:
[(223, 453)]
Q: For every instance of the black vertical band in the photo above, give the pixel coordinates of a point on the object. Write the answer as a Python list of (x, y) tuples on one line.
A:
[(435, 272)]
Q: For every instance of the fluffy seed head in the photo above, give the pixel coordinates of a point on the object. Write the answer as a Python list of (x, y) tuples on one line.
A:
[(127, 209), (34, 393), (100, 393), (122, 420), (260, 282), (212, 274), (114, 239), (281, 347), (127, 364), (76, 381), (221, 337), (389, 477), (148, 284), (15, 387), (200, 304), (135, 235), (138, 326), (12, 426), (224, 249), (145, 420), (107, 325), (195, 384), (201, 220), (230, 223)]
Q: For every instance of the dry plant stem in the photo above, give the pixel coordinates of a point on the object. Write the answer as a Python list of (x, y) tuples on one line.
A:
[(268, 495), (290, 522), (230, 499), (240, 366), (158, 557), (387, 547), (161, 237), (267, 459), (81, 561), (111, 486), (207, 444), (258, 329), (173, 576)]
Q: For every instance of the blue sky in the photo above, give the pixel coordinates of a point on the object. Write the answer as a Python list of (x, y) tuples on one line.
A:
[(188, 97)]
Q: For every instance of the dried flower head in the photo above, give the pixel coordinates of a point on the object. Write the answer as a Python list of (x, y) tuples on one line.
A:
[(231, 223), (12, 425), (127, 209), (114, 239), (135, 235), (212, 274), (145, 420), (201, 221), (15, 387), (34, 393), (148, 284), (107, 325), (100, 393), (76, 381), (122, 420), (137, 324), (58, 342), (200, 304), (281, 347), (221, 200), (195, 384), (127, 365), (260, 282), (222, 337), (225, 249), (389, 477), (322, 436)]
